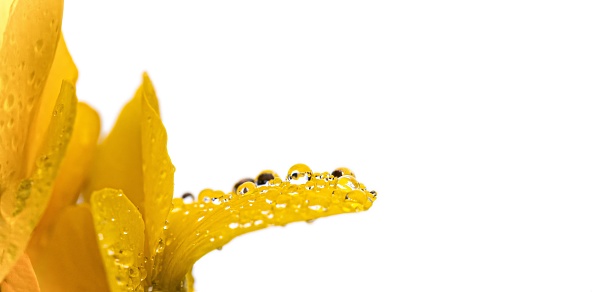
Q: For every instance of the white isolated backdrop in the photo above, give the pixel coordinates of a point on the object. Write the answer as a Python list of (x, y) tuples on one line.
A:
[(472, 120)]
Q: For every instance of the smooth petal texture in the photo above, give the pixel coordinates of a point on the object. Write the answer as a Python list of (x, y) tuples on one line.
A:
[(120, 234), (71, 176), (195, 229), (134, 158), (71, 260), (21, 277), (22, 206), (63, 68), (30, 39), (4, 16)]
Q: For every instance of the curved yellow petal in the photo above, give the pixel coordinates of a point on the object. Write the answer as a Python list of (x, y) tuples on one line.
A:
[(21, 278), (71, 176), (71, 260), (134, 158), (30, 39), (120, 234), (158, 176), (195, 229), (63, 68), (21, 206)]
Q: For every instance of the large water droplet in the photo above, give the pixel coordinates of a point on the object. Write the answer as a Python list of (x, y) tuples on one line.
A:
[(348, 183), (188, 198), (240, 182), (205, 196), (246, 188), (265, 177), (341, 171), (299, 174)]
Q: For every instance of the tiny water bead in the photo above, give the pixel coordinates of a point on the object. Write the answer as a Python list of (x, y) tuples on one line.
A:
[(215, 218)]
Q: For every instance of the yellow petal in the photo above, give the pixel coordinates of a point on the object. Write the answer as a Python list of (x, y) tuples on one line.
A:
[(21, 278), (158, 177), (120, 233), (63, 68), (23, 205), (134, 158), (30, 39), (71, 176), (4, 16), (216, 218), (71, 260)]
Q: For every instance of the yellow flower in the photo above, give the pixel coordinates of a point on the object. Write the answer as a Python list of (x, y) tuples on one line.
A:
[(145, 238), (129, 234), (42, 126)]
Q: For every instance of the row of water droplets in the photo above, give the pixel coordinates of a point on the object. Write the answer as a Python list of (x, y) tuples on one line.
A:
[(303, 192), (198, 225)]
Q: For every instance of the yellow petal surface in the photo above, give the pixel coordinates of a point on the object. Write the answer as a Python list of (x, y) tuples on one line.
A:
[(23, 205), (71, 176), (4, 16), (158, 177), (120, 234), (29, 43), (71, 260), (21, 278), (63, 68), (134, 158), (194, 229)]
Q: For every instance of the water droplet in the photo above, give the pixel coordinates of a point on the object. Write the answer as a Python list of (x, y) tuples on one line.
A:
[(348, 183), (188, 198), (246, 188), (9, 102), (357, 196), (205, 196), (341, 171), (233, 225), (299, 174), (374, 194), (39, 46), (58, 109), (264, 177), (240, 182)]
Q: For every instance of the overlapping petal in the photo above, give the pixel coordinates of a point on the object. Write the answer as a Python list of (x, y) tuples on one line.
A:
[(21, 277), (71, 260), (71, 176), (133, 158), (22, 205), (120, 232)]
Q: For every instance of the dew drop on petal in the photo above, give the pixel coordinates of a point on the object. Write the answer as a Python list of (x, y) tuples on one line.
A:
[(347, 183), (265, 177), (240, 182), (299, 174), (188, 198), (246, 188)]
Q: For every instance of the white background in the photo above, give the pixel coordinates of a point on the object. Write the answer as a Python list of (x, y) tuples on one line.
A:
[(472, 120)]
